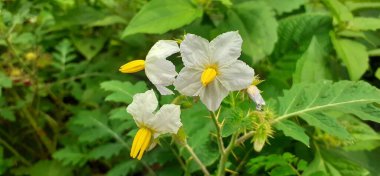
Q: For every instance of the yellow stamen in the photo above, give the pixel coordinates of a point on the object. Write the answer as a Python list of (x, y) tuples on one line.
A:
[(133, 66), (141, 142), (208, 76)]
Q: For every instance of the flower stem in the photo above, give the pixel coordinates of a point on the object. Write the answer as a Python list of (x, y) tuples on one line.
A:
[(225, 154), (197, 160), (218, 127)]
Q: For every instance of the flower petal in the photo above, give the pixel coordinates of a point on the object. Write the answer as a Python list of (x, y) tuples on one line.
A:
[(161, 72), (255, 95), (167, 120), (195, 52), (162, 49), (237, 76), (213, 94), (163, 90), (188, 82), (142, 107), (226, 48)]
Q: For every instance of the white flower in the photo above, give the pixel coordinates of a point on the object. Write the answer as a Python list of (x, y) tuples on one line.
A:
[(212, 69), (159, 71), (254, 94), (165, 120)]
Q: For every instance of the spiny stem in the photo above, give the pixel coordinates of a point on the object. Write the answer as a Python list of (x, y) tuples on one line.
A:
[(197, 160), (218, 127), (225, 154)]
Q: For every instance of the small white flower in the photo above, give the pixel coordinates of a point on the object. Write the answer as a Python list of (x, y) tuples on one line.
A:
[(165, 120), (254, 94), (212, 69), (159, 71)]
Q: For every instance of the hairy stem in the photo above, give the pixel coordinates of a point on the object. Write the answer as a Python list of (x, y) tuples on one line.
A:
[(15, 152), (225, 154), (218, 127)]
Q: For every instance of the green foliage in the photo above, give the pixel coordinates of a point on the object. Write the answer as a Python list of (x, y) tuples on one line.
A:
[(285, 164), (312, 102), (122, 91), (160, 16), (63, 101), (256, 23)]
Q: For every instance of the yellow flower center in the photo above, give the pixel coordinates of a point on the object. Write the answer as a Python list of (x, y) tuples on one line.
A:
[(133, 66), (141, 142), (208, 75)]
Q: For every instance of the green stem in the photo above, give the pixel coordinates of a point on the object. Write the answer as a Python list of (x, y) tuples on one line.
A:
[(15, 153), (243, 161), (225, 154), (218, 127), (196, 159)]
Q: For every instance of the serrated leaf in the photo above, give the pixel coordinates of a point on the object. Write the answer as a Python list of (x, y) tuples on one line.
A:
[(257, 25), (160, 16), (293, 130), (93, 135), (105, 151), (295, 34), (311, 67), (70, 156), (122, 91), (285, 6), (311, 101), (353, 55)]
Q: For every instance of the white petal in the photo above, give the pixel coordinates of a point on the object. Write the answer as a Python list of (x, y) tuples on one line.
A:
[(188, 81), (142, 107), (226, 48), (195, 52), (164, 90), (237, 76), (166, 120), (213, 94), (160, 72), (254, 94), (162, 49)]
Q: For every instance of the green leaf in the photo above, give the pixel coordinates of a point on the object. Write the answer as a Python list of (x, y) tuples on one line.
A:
[(365, 138), (198, 125), (285, 6), (70, 156), (105, 151), (4, 81), (312, 101), (332, 163), (295, 36), (7, 114), (122, 91), (377, 74), (50, 168), (353, 55), (89, 47), (257, 25), (311, 67), (362, 23), (160, 16), (293, 130), (124, 168), (340, 10), (326, 123)]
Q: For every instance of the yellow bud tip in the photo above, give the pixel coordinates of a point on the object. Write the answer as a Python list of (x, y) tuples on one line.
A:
[(141, 143), (30, 56), (208, 75), (133, 66)]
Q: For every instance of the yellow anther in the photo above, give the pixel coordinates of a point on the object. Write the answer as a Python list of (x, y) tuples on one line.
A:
[(133, 66), (141, 142), (208, 76)]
